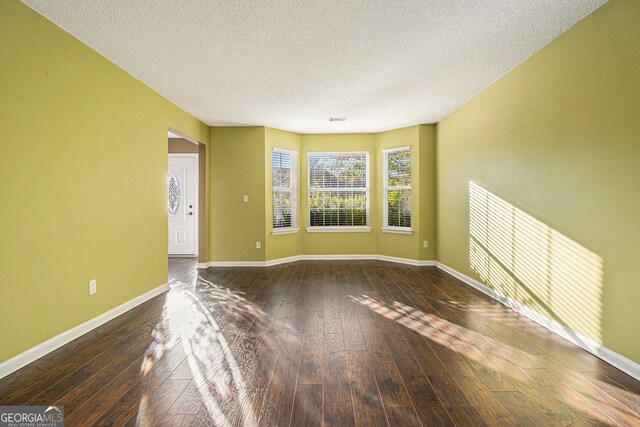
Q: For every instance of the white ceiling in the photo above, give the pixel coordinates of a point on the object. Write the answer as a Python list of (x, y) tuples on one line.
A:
[(293, 64)]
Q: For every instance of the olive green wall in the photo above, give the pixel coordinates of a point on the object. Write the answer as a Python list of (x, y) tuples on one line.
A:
[(281, 245), (338, 243), (421, 139), (83, 162), (237, 162), (234, 158), (536, 185), (398, 245), (549, 155), (428, 193)]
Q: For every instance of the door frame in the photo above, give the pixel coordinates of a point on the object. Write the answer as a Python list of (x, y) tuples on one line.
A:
[(203, 193), (196, 179)]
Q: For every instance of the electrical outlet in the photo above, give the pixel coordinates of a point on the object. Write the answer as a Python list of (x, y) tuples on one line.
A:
[(425, 243), (258, 245), (93, 287), (245, 198)]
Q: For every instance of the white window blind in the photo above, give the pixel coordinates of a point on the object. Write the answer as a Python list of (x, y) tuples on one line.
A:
[(283, 169), (339, 189), (396, 196)]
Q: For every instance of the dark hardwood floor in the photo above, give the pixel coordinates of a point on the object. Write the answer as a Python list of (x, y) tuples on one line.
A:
[(364, 343)]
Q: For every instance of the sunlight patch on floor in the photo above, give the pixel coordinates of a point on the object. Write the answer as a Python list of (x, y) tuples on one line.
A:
[(519, 366)]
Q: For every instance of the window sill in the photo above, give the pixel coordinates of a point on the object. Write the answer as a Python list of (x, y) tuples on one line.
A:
[(397, 230), (359, 229), (277, 231)]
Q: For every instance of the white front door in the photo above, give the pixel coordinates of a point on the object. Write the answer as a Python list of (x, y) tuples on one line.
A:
[(182, 197)]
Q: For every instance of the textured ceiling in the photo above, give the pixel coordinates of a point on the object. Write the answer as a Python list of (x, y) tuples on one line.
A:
[(293, 64)]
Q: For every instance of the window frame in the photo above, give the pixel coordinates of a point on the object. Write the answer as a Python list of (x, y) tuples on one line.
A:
[(293, 190), (339, 228), (386, 228)]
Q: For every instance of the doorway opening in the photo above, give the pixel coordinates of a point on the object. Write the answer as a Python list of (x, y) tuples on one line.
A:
[(186, 189)]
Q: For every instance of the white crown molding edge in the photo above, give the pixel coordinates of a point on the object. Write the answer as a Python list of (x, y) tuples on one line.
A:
[(617, 360), (23, 359)]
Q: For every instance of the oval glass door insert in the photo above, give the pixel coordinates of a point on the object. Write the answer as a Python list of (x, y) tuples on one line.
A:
[(173, 192)]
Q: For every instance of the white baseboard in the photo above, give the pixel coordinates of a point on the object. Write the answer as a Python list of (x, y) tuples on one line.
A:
[(421, 263), (42, 349), (235, 264), (283, 260), (611, 357)]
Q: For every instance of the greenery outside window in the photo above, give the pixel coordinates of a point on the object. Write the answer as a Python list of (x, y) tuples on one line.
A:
[(285, 188), (338, 191), (396, 197)]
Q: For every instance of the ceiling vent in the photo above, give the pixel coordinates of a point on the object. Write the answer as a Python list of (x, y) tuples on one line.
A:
[(337, 119)]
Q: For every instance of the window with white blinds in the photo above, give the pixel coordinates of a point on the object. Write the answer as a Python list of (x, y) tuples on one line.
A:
[(396, 197), (338, 191), (284, 173)]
